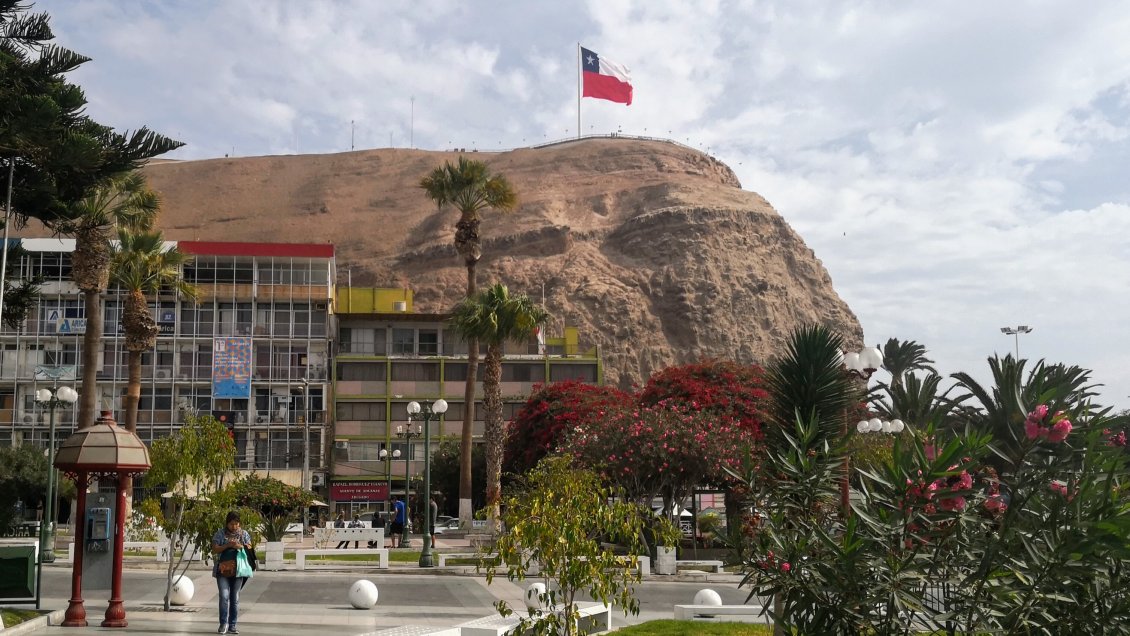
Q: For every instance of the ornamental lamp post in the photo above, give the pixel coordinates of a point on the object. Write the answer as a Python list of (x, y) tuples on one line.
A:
[(387, 458), (407, 434), (51, 398), (860, 364), (429, 412), (876, 425)]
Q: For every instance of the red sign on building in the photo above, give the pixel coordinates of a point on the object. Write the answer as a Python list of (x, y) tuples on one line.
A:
[(359, 491)]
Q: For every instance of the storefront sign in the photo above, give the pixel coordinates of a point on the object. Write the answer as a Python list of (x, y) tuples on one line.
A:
[(359, 491)]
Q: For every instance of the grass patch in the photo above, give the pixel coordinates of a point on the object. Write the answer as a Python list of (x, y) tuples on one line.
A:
[(14, 617), (698, 628)]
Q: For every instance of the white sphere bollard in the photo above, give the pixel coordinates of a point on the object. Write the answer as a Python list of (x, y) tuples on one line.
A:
[(533, 596), (363, 594), (182, 591), (707, 597)]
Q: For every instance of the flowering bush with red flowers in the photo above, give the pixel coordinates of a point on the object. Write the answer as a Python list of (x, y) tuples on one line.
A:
[(722, 387), (551, 410), (659, 450)]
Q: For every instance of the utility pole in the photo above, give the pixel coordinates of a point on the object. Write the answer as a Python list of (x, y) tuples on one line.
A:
[(352, 130), (412, 125)]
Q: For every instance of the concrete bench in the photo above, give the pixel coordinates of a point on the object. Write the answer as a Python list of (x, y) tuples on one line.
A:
[(642, 563), (734, 613), (330, 537), (594, 618), (444, 556), (382, 553), (715, 566)]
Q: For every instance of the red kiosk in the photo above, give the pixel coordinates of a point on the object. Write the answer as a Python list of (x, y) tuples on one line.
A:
[(104, 451)]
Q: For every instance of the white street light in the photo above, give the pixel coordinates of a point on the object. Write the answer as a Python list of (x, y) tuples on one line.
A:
[(875, 425), (428, 412), (1015, 332), (51, 398)]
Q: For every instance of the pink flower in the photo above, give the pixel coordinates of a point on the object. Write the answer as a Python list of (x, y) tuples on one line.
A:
[(1032, 429), (1058, 487), (953, 504), (1059, 431), (995, 504), (1040, 412), (785, 567), (931, 452)]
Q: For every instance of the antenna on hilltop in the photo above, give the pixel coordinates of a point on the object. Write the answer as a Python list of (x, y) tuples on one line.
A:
[(352, 130), (412, 124)]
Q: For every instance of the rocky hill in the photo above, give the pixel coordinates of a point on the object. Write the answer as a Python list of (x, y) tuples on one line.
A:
[(653, 250)]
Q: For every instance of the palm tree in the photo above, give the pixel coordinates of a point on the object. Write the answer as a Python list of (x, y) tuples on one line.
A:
[(123, 201), (1001, 409), (903, 356), (141, 266), (809, 383), (495, 317), (470, 188), (916, 401)]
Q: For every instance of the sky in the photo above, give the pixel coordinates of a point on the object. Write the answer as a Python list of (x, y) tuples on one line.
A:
[(957, 167)]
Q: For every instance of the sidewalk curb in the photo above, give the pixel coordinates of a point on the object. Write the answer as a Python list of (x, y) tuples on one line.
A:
[(41, 622)]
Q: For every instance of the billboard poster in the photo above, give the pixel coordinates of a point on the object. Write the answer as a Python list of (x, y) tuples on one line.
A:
[(231, 367)]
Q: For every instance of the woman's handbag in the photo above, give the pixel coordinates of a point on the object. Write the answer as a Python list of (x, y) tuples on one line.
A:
[(227, 569), (252, 559), (242, 567)]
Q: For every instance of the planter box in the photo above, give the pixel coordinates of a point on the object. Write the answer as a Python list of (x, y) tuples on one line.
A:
[(273, 559), (665, 560)]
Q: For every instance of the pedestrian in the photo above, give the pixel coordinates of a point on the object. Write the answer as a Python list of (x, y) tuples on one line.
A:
[(434, 507), (340, 523), (378, 522), (227, 545), (356, 523), (399, 521)]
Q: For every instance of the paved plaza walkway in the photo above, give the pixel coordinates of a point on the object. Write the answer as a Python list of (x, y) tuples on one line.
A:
[(291, 602)]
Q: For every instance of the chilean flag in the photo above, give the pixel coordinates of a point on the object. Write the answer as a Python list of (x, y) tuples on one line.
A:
[(604, 79)]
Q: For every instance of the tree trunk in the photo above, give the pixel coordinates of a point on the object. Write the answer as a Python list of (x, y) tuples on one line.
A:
[(465, 508), (493, 433), (91, 344), (133, 391)]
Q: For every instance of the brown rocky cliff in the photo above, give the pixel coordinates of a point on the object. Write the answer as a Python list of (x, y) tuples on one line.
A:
[(653, 250)]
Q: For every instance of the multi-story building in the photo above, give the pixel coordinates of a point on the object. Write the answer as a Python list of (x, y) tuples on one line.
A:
[(388, 356), (256, 350), (253, 349)]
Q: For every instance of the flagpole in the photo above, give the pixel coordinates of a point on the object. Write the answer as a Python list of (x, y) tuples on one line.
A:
[(578, 90)]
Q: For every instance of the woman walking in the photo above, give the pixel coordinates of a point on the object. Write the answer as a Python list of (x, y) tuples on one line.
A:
[(228, 545)]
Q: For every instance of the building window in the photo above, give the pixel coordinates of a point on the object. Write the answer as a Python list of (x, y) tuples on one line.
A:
[(457, 372), (522, 372), (361, 411), (361, 371), (415, 372), (582, 372), (428, 342), (365, 451), (403, 342)]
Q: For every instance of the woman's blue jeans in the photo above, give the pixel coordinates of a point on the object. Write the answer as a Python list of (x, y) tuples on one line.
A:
[(229, 599)]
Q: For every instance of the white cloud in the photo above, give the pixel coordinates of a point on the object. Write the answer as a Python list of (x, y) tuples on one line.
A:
[(951, 165)]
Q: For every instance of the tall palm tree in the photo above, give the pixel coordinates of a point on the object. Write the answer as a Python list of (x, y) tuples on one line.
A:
[(809, 383), (125, 202), (494, 316), (903, 356), (470, 188), (141, 266)]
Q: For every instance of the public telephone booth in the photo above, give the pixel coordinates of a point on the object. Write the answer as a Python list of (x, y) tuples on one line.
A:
[(106, 452)]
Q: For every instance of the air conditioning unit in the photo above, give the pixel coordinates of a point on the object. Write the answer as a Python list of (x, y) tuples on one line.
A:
[(317, 479), (341, 444), (162, 374), (400, 306)]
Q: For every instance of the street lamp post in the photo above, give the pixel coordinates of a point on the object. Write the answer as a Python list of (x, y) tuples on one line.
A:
[(305, 450), (428, 412), (862, 365), (51, 399), (387, 458), (1015, 333), (407, 434)]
